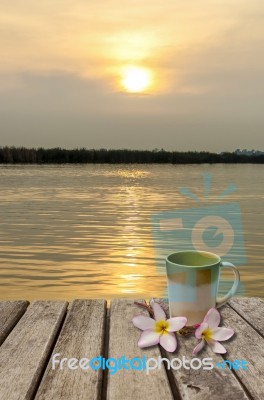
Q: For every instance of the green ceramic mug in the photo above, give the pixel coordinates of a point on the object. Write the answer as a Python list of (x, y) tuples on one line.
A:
[(193, 280)]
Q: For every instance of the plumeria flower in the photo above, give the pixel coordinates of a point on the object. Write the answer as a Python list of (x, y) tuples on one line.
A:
[(158, 330), (209, 332)]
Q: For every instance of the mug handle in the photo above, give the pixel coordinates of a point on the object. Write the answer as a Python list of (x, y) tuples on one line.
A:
[(222, 300)]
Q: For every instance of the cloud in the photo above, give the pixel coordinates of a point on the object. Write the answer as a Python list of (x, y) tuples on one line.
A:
[(60, 72)]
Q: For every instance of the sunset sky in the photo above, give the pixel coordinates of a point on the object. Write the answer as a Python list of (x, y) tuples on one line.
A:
[(132, 74)]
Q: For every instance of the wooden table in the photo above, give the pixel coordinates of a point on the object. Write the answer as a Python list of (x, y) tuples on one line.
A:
[(31, 333)]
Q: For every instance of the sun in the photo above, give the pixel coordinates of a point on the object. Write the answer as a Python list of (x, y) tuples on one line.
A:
[(136, 79)]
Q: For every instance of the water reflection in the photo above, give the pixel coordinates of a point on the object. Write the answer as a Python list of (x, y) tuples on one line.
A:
[(85, 231)]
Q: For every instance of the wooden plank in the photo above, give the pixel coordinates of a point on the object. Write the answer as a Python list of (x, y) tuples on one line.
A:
[(201, 384), (24, 353), (248, 345), (82, 336), (10, 314), (123, 338), (251, 309)]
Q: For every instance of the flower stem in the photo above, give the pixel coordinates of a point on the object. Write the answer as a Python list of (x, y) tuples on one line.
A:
[(145, 306), (186, 331)]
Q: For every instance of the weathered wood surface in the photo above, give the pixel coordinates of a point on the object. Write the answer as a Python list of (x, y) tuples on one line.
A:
[(31, 335), (10, 312), (123, 338), (82, 336), (251, 309), (202, 384), (24, 353), (247, 344)]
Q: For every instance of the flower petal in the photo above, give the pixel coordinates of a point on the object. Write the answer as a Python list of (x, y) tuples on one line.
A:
[(222, 333), (199, 331), (216, 347), (199, 347), (148, 338), (176, 323), (159, 313), (142, 322), (168, 342), (212, 318), (152, 301)]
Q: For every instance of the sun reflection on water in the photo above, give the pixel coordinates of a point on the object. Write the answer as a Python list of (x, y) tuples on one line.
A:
[(88, 234)]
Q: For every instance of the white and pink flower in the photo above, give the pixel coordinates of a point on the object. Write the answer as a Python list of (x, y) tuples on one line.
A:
[(159, 330), (209, 332)]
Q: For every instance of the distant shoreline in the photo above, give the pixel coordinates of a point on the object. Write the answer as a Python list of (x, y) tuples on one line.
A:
[(23, 155)]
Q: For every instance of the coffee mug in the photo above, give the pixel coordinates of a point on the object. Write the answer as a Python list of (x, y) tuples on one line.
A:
[(193, 280)]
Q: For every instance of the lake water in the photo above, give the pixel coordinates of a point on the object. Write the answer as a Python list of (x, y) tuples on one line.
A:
[(84, 231)]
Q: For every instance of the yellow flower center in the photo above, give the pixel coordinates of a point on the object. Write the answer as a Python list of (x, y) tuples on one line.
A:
[(161, 327), (207, 334)]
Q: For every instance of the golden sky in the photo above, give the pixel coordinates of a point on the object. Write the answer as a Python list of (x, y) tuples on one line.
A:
[(192, 64)]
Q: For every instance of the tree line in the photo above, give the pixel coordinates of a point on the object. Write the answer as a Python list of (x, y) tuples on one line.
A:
[(13, 155)]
